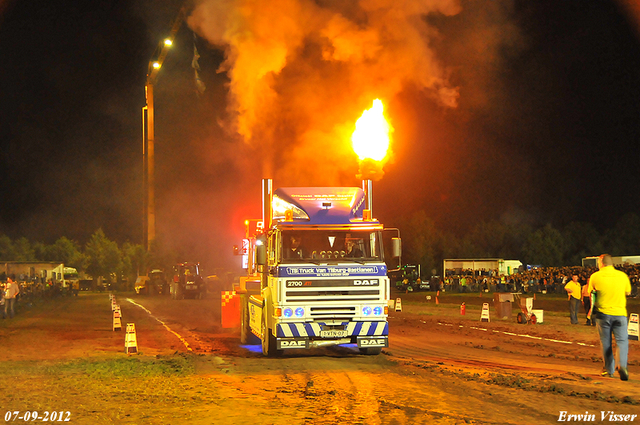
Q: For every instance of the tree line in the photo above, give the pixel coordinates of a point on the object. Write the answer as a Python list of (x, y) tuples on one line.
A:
[(99, 257), (423, 243), (548, 246)]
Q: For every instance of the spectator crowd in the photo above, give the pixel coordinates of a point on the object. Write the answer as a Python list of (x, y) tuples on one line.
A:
[(541, 280), (32, 290)]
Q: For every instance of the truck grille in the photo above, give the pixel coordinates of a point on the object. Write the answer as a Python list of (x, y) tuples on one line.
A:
[(344, 299), (332, 295), (337, 312)]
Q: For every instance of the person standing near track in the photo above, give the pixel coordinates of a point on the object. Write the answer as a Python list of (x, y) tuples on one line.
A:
[(575, 294), (586, 302), (612, 287), (11, 291)]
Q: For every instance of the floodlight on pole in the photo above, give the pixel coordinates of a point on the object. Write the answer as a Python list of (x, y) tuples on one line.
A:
[(148, 135)]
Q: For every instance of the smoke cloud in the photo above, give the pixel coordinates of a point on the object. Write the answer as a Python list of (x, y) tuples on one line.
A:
[(301, 73)]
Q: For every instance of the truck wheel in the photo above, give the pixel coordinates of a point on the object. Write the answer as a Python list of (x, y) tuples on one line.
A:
[(371, 351), (533, 319), (268, 341)]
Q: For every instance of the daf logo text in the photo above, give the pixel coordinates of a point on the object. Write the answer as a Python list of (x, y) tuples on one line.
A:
[(373, 342), (368, 282), (292, 343)]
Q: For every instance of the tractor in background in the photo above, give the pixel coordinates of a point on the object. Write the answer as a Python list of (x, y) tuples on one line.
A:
[(187, 282)]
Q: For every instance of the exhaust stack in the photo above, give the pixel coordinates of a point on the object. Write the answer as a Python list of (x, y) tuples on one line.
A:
[(367, 187), (267, 201)]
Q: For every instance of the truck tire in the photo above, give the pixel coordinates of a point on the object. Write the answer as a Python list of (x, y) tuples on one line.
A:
[(371, 351), (268, 341)]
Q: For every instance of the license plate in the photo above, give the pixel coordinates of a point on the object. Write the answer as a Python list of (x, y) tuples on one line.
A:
[(333, 333)]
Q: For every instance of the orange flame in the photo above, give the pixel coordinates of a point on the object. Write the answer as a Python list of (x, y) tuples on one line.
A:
[(372, 134)]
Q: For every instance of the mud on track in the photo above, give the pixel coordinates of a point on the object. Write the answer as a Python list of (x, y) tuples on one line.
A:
[(440, 368)]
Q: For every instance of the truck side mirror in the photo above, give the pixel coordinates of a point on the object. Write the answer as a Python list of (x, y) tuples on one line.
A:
[(261, 251), (396, 247)]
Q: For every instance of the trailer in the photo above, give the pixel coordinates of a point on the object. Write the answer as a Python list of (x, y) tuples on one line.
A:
[(621, 260), (316, 271), (480, 266)]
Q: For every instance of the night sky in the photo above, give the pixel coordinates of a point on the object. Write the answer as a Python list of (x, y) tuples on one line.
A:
[(522, 111)]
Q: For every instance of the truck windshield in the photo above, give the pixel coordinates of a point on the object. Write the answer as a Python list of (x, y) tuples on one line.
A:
[(346, 245)]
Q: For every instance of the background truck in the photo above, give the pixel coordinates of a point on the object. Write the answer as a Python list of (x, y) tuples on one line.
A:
[(316, 271), (187, 281), (406, 278)]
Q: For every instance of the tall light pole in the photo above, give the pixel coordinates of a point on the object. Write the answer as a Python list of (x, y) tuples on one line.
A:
[(148, 135)]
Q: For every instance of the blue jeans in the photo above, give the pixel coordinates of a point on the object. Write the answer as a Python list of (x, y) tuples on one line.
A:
[(8, 307), (618, 325), (574, 306)]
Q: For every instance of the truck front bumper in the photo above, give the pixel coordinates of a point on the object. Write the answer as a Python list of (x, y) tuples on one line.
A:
[(318, 334), (302, 342), (316, 329)]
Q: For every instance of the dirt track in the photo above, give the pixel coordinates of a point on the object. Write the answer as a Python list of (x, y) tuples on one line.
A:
[(441, 367)]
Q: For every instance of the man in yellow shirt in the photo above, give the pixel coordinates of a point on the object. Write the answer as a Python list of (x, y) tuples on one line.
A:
[(575, 293), (612, 287)]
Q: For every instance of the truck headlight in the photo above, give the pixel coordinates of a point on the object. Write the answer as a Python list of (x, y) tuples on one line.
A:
[(288, 312), (366, 311), (377, 311), (299, 312)]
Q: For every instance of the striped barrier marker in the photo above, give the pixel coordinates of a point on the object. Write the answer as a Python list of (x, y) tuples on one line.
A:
[(117, 322), (484, 316), (130, 341)]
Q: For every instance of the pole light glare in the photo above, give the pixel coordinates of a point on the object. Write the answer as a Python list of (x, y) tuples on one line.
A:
[(148, 134)]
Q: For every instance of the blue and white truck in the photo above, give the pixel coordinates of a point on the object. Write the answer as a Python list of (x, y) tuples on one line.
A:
[(316, 271)]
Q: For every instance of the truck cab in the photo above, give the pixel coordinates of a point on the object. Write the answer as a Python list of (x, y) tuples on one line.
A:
[(319, 272)]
